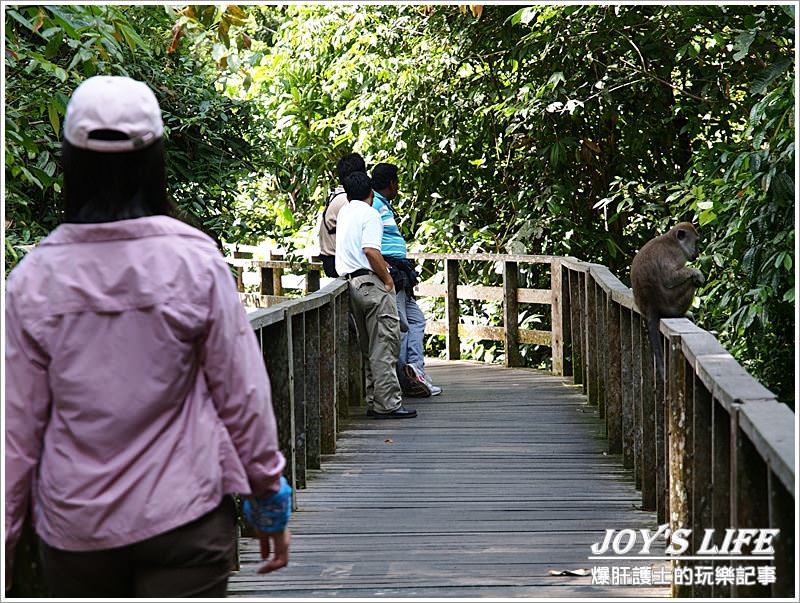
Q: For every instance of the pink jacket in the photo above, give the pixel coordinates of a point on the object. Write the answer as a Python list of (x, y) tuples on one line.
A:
[(136, 394)]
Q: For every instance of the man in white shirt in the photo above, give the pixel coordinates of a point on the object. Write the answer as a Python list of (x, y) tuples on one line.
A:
[(372, 298)]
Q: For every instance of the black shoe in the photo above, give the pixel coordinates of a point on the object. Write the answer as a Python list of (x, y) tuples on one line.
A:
[(399, 413)]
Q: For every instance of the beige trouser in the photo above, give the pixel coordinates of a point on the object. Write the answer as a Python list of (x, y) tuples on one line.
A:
[(375, 314)]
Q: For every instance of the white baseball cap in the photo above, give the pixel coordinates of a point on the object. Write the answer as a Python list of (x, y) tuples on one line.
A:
[(106, 102)]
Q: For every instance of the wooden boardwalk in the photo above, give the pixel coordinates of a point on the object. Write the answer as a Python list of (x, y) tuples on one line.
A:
[(500, 479)]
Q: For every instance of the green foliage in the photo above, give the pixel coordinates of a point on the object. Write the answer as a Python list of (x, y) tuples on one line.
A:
[(562, 129)]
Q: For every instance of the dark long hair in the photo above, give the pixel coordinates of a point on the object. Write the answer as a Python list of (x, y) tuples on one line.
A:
[(105, 187)]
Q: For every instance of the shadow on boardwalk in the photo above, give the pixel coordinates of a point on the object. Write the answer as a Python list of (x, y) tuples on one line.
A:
[(500, 479)]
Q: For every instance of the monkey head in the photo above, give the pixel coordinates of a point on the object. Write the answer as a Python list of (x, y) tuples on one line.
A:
[(687, 237)]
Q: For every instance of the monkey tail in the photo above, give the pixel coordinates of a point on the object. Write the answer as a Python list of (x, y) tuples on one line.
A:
[(655, 345)]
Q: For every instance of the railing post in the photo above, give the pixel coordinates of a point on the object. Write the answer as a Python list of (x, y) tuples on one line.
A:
[(277, 274), (313, 371), (721, 480), (342, 358), (590, 322), (327, 375), (312, 280), (451, 310), (613, 387), (662, 448), (583, 277), (267, 282), (702, 470), (240, 269), (679, 412), (355, 374), (557, 316), (511, 314), (299, 378), (782, 515), (626, 386), (576, 332), (636, 395), (752, 500), (601, 341), (649, 471), (278, 355)]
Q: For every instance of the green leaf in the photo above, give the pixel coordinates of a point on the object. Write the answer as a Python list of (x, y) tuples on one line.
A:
[(787, 262), (52, 113), (741, 45)]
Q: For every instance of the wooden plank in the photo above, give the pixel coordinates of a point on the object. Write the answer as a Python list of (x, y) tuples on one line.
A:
[(511, 315), (453, 345), (253, 300), (546, 493), (590, 324), (484, 257), (662, 444), (342, 355), (601, 340), (312, 281), (527, 296), (556, 319), (584, 330), (267, 282), (435, 327)]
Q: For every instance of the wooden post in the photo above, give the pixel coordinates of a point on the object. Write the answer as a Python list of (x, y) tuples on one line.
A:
[(313, 370), (576, 333), (355, 371), (342, 358), (277, 275), (278, 355), (327, 375), (267, 282), (601, 341), (626, 386), (312, 280), (451, 310), (584, 329), (662, 449), (752, 502), (649, 492), (679, 412), (566, 322), (299, 364), (721, 480), (636, 395), (614, 384), (557, 316), (702, 469), (591, 339), (782, 515), (511, 314), (244, 255)]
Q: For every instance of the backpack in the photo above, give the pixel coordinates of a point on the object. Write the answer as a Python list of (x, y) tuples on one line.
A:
[(331, 196)]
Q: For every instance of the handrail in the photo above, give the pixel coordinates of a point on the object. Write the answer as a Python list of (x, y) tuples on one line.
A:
[(709, 446)]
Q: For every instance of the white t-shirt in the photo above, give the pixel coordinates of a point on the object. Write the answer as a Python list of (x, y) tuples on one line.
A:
[(358, 225)]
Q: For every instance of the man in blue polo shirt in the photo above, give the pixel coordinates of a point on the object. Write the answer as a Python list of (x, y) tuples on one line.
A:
[(411, 363)]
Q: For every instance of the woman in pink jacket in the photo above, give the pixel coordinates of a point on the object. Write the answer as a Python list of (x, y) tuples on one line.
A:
[(137, 400)]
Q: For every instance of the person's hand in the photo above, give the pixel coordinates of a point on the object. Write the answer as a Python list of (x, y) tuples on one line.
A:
[(389, 285), (276, 543)]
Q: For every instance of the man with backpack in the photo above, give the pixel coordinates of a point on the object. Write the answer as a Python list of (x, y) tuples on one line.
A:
[(337, 198)]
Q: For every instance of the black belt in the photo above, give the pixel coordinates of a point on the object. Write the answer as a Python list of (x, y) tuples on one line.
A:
[(359, 272)]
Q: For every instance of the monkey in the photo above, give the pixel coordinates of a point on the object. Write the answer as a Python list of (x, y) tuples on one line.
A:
[(663, 286)]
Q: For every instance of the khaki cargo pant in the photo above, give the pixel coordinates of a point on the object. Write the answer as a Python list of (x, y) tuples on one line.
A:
[(375, 314)]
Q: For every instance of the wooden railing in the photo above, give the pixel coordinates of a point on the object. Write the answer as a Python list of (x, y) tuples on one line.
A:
[(314, 366), (510, 294), (709, 446)]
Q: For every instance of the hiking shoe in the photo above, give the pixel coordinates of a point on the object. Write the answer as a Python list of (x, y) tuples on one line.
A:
[(417, 386), (435, 389)]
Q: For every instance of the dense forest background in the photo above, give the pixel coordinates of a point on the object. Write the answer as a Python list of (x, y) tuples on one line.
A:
[(579, 130)]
